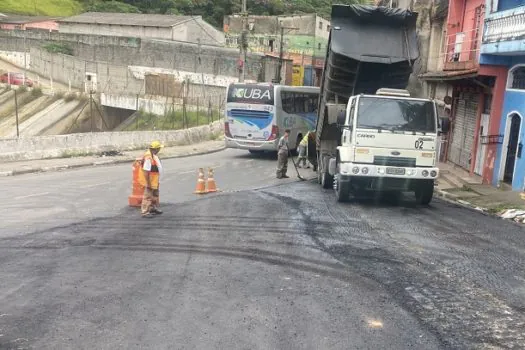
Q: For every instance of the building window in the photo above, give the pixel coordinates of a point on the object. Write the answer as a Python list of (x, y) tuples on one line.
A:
[(271, 43), (328, 28), (518, 78), (320, 25), (319, 46), (261, 41), (487, 103)]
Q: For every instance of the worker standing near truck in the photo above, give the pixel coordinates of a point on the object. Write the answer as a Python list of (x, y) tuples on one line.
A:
[(149, 179), (303, 147), (282, 155)]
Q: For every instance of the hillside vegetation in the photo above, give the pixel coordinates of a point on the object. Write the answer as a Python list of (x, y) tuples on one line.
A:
[(41, 7), (212, 11)]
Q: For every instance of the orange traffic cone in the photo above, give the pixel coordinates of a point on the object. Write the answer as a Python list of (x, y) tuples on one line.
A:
[(137, 191), (212, 187), (201, 186)]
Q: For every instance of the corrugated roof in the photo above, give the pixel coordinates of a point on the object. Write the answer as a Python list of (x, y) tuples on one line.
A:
[(129, 19), (17, 19)]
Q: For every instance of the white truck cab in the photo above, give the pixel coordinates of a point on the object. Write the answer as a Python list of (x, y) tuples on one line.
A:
[(389, 142)]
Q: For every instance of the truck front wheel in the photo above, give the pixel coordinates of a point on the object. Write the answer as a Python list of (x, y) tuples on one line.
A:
[(424, 192), (342, 189)]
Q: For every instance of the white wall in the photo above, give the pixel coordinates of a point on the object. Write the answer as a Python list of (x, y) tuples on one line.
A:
[(16, 57), (200, 29), (138, 72), (40, 147)]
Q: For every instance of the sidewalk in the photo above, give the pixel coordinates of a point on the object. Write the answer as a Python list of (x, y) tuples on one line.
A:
[(458, 185), (34, 166)]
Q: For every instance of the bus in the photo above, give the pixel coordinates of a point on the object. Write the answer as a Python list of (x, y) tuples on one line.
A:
[(257, 115)]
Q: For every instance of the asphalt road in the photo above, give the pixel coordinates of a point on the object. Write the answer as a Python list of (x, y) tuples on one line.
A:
[(280, 267), (39, 201)]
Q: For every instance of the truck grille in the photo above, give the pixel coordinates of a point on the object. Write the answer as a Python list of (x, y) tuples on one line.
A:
[(395, 161)]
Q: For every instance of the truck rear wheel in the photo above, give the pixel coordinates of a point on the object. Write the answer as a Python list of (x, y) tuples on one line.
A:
[(424, 192), (327, 180)]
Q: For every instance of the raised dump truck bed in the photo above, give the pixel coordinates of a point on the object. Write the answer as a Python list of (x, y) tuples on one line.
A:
[(368, 48)]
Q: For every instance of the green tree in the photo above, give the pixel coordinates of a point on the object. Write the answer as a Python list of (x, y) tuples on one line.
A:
[(213, 11), (112, 6)]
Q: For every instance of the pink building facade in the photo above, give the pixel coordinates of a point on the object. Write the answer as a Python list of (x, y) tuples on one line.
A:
[(16, 22)]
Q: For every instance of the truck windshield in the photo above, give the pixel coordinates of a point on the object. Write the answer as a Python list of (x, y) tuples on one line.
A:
[(396, 114)]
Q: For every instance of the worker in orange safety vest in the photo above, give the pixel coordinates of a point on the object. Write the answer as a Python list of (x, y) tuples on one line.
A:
[(149, 179)]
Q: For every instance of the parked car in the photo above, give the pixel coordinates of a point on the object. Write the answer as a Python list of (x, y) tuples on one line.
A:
[(14, 78)]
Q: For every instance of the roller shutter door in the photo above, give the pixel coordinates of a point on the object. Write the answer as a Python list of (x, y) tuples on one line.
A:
[(463, 133)]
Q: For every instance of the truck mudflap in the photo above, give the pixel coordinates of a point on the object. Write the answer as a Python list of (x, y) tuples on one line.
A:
[(312, 151)]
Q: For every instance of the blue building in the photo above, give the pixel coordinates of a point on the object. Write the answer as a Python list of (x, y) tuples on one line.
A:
[(503, 45)]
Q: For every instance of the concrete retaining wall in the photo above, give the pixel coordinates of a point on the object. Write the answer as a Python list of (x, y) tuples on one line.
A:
[(184, 56), (41, 147), (161, 105), (17, 58)]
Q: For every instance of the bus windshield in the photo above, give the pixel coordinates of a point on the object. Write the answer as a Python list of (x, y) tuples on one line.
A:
[(396, 114), (251, 94)]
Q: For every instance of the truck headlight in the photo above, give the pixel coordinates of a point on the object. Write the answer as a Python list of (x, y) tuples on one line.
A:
[(380, 171), (364, 170), (433, 173), (355, 170), (411, 172), (424, 173)]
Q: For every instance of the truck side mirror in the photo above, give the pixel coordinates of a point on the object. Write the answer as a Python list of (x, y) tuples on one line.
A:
[(445, 125)]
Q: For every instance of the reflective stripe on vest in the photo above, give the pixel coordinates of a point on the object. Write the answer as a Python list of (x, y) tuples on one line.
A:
[(153, 173), (304, 141)]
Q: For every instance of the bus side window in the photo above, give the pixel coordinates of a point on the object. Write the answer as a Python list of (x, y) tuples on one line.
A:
[(288, 102), (300, 103), (312, 103)]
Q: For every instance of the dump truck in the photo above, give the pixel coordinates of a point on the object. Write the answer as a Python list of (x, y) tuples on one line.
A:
[(371, 134)]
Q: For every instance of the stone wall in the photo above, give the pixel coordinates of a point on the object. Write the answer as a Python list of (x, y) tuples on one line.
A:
[(121, 79), (41, 147), (183, 56)]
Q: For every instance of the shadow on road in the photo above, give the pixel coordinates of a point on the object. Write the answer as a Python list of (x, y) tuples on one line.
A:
[(258, 156)]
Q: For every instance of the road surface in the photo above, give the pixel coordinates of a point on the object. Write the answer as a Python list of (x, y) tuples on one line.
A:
[(279, 267)]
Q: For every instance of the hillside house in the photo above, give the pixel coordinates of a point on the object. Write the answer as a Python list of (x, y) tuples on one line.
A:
[(305, 39), (165, 27), (17, 22)]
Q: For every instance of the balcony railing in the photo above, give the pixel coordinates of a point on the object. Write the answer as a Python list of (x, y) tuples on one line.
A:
[(504, 29), (461, 50)]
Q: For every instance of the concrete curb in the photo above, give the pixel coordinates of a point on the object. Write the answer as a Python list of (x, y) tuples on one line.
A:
[(452, 199), (98, 163)]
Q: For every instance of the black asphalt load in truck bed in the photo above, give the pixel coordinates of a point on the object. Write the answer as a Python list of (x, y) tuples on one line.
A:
[(374, 34)]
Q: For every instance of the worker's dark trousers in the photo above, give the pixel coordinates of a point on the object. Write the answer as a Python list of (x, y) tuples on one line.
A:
[(282, 164)]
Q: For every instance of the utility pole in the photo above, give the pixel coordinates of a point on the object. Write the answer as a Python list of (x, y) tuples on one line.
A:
[(278, 74), (244, 40), (16, 111), (91, 109)]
